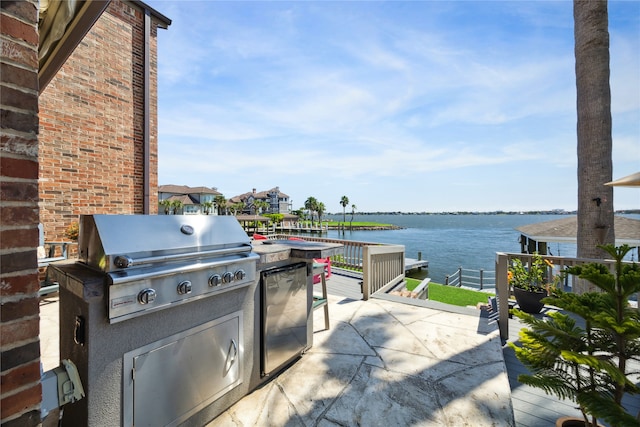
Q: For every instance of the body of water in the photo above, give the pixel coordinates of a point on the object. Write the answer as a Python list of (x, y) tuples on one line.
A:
[(452, 241)]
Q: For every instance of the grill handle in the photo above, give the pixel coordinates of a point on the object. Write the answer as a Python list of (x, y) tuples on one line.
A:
[(124, 261), (122, 276)]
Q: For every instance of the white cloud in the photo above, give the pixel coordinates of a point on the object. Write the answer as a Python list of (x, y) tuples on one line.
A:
[(389, 95)]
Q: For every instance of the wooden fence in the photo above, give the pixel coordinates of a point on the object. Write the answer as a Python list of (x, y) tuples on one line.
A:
[(503, 291), (477, 279), (381, 265)]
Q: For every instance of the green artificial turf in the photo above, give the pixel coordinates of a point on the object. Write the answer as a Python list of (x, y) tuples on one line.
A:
[(451, 294)]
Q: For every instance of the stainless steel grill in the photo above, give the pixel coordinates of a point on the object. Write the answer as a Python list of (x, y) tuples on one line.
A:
[(159, 309), (155, 262)]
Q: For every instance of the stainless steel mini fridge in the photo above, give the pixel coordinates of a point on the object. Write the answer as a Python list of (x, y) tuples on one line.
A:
[(284, 316)]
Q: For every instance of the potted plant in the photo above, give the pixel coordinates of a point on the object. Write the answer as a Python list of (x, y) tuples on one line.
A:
[(530, 283), (582, 353)]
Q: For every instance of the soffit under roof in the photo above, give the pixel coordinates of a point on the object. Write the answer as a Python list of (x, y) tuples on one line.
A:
[(565, 230), (63, 24)]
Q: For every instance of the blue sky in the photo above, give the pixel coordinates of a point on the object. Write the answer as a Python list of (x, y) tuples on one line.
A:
[(419, 106)]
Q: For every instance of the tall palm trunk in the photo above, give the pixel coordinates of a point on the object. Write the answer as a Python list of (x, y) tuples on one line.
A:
[(595, 200)]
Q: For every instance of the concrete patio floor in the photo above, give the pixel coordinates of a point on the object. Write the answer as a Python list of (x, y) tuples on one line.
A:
[(392, 361), (387, 363), (381, 363)]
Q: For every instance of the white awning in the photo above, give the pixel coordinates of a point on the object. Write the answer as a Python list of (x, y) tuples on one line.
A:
[(565, 230), (632, 180)]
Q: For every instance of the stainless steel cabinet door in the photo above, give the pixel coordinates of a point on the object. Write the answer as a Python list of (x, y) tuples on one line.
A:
[(180, 375), (284, 325)]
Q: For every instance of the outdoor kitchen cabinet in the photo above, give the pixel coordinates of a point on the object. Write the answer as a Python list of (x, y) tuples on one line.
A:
[(157, 315), (285, 298), (284, 318), (161, 316), (175, 377), (138, 369)]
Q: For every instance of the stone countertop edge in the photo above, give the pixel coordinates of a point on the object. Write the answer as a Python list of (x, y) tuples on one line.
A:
[(279, 252)]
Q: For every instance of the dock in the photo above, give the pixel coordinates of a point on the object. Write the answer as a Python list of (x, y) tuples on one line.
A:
[(412, 263)]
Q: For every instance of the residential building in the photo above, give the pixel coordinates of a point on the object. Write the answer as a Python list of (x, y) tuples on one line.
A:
[(278, 202), (192, 200)]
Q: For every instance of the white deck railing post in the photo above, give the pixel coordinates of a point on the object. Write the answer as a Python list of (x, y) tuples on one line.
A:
[(382, 265), (502, 291), (366, 272)]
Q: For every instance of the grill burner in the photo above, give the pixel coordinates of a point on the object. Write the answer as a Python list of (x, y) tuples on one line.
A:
[(155, 262)]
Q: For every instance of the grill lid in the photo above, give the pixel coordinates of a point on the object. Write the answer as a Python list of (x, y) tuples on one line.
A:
[(116, 242)]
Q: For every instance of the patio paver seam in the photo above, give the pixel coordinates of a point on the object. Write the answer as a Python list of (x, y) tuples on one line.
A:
[(336, 398), (277, 384)]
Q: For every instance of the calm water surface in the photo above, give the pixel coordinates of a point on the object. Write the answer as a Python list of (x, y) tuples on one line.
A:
[(452, 241)]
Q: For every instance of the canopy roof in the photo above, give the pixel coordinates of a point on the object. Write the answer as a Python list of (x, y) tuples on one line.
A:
[(565, 230), (632, 180), (62, 24)]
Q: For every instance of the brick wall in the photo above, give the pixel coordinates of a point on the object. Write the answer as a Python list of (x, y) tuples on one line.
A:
[(91, 125), (20, 391), (90, 151)]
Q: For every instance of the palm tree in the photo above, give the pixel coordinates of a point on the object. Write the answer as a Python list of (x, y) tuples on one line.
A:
[(259, 205), (320, 208), (344, 201), (166, 204), (353, 212), (310, 204), (208, 207), (237, 208), (221, 204), (176, 204), (595, 200)]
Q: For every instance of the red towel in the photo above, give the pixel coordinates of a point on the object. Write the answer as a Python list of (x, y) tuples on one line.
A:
[(327, 268)]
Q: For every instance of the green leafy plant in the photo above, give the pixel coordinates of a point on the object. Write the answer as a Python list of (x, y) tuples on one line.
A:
[(275, 218), (582, 353), (72, 231), (532, 277)]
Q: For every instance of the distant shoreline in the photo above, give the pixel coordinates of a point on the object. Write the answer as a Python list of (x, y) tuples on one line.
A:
[(366, 227), (552, 212), (335, 219)]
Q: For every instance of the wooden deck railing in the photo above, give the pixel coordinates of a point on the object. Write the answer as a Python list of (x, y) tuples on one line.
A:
[(51, 252), (352, 256), (478, 279), (503, 292), (380, 264), (383, 266), (302, 226)]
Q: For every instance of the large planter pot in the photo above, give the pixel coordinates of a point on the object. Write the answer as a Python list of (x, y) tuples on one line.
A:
[(529, 301), (571, 422)]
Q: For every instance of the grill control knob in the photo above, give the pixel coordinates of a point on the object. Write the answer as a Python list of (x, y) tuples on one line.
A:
[(122, 261), (215, 280), (184, 287), (147, 296), (227, 277), (240, 275)]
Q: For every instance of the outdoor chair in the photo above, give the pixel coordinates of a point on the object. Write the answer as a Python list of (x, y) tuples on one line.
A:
[(321, 271), (48, 252)]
